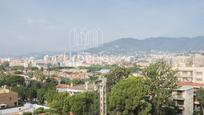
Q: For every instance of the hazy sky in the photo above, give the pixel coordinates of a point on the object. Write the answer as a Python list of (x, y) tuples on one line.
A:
[(47, 25)]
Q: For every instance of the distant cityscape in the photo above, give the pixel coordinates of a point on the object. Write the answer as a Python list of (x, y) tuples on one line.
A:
[(189, 67)]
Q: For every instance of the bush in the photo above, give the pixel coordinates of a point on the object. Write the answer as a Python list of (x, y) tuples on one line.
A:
[(39, 110), (27, 113)]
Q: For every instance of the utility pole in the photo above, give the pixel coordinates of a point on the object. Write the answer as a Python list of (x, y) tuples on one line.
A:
[(102, 91)]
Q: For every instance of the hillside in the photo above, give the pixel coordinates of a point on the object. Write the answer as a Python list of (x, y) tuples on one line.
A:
[(131, 45)]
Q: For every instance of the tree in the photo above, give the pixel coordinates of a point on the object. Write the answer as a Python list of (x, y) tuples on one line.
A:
[(13, 80), (39, 75), (27, 113), (162, 82), (41, 96), (59, 103), (2, 72), (116, 75), (84, 103), (128, 97), (22, 92), (200, 97)]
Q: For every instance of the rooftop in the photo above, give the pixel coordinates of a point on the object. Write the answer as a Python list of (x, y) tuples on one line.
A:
[(190, 84), (3, 90), (184, 88)]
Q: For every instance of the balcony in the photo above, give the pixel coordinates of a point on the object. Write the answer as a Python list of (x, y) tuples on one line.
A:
[(178, 97)]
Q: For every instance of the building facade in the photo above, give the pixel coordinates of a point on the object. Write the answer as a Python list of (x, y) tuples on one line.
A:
[(184, 100), (8, 98)]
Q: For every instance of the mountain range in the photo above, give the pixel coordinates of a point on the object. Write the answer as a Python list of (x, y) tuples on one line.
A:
[(164, 44)]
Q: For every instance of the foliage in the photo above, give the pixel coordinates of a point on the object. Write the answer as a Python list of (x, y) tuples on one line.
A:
[(2, 72), (59, 68), (32, 68), (30, 74), (50, 83), (82, 103), (13, 80), (27, 113), (6, 64), (162, 82), (97, 67), (39, 75), (59, 102), (16, 68), (39, 111), (200, 97), (128, 96), (41, 96), (116, 75), (134, 69), (33, 90), (73, 81)]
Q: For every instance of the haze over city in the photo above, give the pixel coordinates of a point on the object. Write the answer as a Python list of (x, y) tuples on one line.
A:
[(37, 26)]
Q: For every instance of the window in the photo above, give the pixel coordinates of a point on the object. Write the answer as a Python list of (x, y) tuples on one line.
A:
[(199, 79), (199, 73)]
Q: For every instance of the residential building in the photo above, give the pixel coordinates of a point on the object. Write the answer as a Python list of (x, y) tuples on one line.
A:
[(190, 74), (78, 88), (62, 87), (184, 98), (8, 98)]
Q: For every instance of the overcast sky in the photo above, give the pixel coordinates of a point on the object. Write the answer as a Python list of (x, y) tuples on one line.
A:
[(48, 25)]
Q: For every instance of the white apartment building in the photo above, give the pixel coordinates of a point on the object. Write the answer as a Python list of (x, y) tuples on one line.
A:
[(190, 74), (184, 99)]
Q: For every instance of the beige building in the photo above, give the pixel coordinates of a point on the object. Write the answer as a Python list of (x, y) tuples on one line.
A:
[(8, 98), (184, 99), (190, 74), (78, 88)]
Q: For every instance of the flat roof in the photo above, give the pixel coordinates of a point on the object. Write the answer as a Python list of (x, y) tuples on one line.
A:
[(184, 88), (193, 84)]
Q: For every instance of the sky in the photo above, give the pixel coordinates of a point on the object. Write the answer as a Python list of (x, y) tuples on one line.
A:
[(28, 26)]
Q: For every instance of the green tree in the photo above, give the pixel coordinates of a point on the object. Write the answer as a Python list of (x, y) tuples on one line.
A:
[(2, 72), (128, 97), (22, 92), (27, 113), (200, 97), (13, 80), (116, 75), (41, 96), (162, 82), (84, 103), (38, 74), (59, 103)]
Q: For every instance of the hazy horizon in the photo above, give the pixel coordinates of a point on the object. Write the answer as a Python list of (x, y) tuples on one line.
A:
[(49, 25)]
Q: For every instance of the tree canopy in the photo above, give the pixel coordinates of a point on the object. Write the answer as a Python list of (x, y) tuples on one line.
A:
[(115, 76), (162, 82), (128, 96)]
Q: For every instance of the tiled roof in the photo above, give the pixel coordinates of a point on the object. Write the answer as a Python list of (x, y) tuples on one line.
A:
[(190, 84)]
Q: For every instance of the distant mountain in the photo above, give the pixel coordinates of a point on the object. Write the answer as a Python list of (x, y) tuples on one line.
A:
[(131, 45)]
